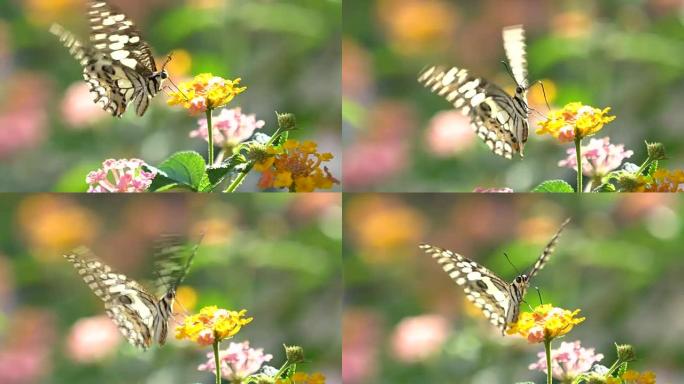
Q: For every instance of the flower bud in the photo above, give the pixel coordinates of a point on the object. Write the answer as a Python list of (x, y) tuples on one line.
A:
[(286, 121), (625, 352), (656, 151), (294, 354)]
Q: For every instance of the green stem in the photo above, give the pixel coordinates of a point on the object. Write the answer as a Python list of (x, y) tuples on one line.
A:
[(238, 179), (547, 348), (210, 139), (282, 369), (578, 151), (644, 165), (216, 360)]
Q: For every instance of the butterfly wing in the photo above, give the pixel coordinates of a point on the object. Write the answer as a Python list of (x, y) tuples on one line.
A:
[(548, 250), (495, 117), (131, 308), (481, 286), (514, 45), (172, 259), (113, 33)]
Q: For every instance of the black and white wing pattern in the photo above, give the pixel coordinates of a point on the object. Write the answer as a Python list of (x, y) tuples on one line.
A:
[(118, 65), (172, 259), (140, 316), (499, 119), (498, 300)]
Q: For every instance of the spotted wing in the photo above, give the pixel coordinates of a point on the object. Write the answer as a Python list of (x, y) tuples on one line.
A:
[(495, 117), (514, 45), (481, 286), (130, 307), (113, 33), (548, 250), (172, 259)]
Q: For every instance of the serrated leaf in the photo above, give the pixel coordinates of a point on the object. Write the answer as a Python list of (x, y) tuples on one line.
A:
[(186, 168), (554, 186), (282, 138), (652, 168), (215, 175)]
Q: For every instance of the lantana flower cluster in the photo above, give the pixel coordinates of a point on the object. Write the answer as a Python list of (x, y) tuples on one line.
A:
[(230, 127), (296, 166), (545, 323), (599, 157), (575, 121), (568, 361), (238, 361), (123, 175), (212, 325), (205, 91)]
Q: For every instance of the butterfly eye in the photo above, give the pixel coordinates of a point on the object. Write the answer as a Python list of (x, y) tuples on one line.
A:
[(125, 300), (518, 90), (164, 75)]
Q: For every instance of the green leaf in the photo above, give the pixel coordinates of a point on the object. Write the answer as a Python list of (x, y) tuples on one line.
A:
[(652, 168), (554, 186), (185, 168), (282, 138), (215, 175)]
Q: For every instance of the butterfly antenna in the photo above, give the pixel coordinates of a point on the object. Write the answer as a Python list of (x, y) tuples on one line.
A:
[(544, 92), (513, 265), (541, 301)]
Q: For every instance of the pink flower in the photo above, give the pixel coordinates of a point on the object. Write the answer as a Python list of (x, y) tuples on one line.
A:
[(568, 361), (493, 190), (120, 176), (598, 157), (92, 339), (78, 109), (368, 163), (417, 338), (237, 361), (230, 127), (449, 133)]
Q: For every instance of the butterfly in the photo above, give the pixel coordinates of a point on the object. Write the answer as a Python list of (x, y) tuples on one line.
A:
[(140, 316), (497, 118), (498, 300), (118, 65)]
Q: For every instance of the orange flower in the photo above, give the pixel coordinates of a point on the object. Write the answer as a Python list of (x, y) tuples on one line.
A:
[(574, 121), (662, 181), (303, 378), (634, 377), (296, 166)]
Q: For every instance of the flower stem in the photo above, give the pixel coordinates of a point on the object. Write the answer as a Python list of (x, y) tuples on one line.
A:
[(578, 151), (547, 348), (240, 177), (216, 361), (210, 139), (644, 166)]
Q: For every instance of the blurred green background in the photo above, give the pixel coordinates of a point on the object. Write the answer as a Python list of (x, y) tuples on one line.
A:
[(287, 53), (405, 321), (627, 55), (275, 255)]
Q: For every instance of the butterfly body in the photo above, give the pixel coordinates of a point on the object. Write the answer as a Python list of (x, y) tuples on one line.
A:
[(118, 65), (141, 316), (498, 300), (498, 118)]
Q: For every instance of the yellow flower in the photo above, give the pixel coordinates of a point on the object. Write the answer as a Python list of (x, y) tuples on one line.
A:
[(205, 91), (303, 378), (634, 377), (297, 167), (662, 181), (574, 121), (545, 323), (211, 325)]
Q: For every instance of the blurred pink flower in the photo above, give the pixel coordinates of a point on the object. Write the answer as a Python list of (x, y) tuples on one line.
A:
[(368, 163), (567, 361), (598, 157), (493, 190), (22, 366), (360, 345), (449, 133), (78, 108), (120, 176), (92, 339), (27, 342), (230, 127), (237, 361), (417, 338)]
